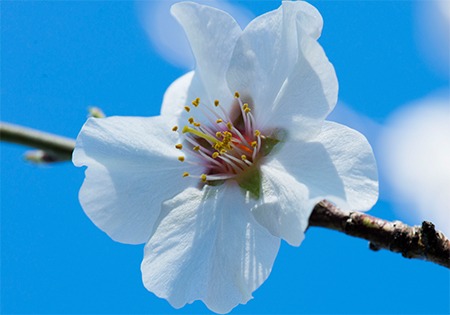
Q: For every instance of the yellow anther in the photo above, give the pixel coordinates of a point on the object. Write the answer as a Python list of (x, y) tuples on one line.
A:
[(216, 103), (203, 177), (243, 157), (191, 120), (179, 146), (175, 128), (245, 105), (236, 94), (247, 110), (215, 155), (218, 134), (223, 151), (185, 174), (197, 124), (196, 102), (254, 144), (219, 121), (181, 158), (229, 126), (257, 133), (196, 148), (187, 108)]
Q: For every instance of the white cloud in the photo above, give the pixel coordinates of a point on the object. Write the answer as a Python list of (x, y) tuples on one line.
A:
[(433, 34), (167, 36), (415, 158)]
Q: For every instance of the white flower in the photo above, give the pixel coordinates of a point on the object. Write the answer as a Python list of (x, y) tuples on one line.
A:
[(243, 170)]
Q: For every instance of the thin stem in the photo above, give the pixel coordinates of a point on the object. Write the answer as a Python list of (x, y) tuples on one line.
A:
[(420, 242), (57, 146)]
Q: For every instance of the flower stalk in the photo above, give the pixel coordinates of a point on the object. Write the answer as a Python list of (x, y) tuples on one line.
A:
[(419, 242)]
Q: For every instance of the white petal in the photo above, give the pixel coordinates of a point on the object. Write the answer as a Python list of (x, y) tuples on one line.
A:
[(181, 93), (132, 167), (310, 20), (308, 94), (338, 165), (266, 54), (177, 95), (212, 34), (208, 247), (285, 207)]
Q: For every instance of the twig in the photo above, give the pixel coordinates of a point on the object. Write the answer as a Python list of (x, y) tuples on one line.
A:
[(422, 242), (56, 148)]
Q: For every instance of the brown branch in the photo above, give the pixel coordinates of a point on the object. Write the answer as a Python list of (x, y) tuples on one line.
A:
[(422, 242)]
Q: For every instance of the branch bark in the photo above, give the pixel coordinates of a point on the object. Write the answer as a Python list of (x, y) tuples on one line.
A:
[(420, 242)]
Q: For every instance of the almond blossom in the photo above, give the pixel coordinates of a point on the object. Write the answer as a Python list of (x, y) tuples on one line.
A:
[(236, 161)]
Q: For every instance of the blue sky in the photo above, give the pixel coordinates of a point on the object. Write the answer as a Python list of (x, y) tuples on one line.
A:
[(58, 58)]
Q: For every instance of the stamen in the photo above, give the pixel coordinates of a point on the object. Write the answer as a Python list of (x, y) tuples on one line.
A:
[(227, 158), (238, 161), (196, 102), (225, 150), (220, 176)]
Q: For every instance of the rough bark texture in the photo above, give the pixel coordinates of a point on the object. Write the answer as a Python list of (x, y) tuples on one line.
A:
[(422, 242)]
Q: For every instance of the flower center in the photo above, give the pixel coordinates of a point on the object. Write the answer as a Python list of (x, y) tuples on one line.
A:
[(226, 148)]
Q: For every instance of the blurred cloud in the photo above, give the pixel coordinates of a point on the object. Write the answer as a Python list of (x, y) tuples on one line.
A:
[(433, 34), (415, 159), (167, 36)]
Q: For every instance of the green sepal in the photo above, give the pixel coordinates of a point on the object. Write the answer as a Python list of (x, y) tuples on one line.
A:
[(271, 142), (251, 181), (267, 145)]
